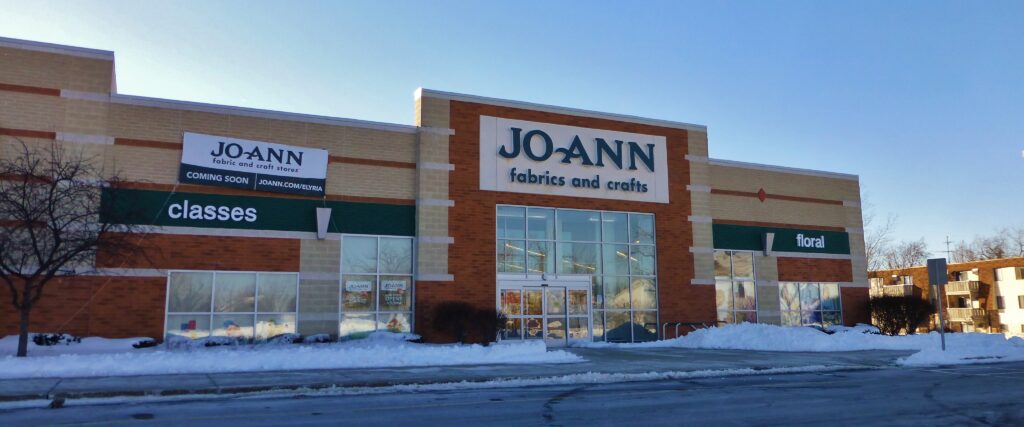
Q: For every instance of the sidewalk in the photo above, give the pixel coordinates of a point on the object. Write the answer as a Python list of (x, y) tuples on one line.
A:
[(598, 360)]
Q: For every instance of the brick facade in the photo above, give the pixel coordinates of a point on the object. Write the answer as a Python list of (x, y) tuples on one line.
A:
[(815, 270), (472, 258), (115, 307), (69, 98)]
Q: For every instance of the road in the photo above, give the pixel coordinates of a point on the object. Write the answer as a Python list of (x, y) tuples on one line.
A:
[(973, 395)]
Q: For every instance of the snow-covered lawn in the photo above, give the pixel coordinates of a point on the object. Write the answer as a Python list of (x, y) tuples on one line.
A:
[(117, 358), (961, 348), (89, 345)]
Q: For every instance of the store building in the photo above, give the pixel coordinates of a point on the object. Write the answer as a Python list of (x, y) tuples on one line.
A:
[(981, 296), (580, 225)]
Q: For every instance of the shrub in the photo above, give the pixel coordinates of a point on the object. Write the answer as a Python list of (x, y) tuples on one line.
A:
[(486, 323), (453, 318), (466, 323), (894, 314), (317, 339), (54, 339), (145, 343), (287, 338)]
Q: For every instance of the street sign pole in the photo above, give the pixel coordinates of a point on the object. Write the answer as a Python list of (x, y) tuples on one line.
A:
[(938, 276), (942, 322)]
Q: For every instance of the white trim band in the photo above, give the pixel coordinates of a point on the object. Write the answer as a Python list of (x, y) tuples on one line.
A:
[(323, 276), (437, 239), (436, 166), (421, 92), (82, 138), (56, 48), (851, 203), (783, 169), (84, 96), (437, 131), (696, 159), (699, 250), (698, 188), (699, 219), (855, 230), (258, 113), (435, 202)]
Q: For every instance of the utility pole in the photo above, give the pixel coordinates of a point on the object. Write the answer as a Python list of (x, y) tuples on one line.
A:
[(948, 251)]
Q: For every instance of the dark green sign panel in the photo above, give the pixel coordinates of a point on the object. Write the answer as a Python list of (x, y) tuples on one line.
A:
[(253, 212), (750, 238)]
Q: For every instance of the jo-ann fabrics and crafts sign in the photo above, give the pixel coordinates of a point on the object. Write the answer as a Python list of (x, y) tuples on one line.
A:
[(253, 165), (544, 158)]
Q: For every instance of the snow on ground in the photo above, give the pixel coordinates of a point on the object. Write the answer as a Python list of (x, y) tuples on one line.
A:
[(961, 348), (976, 351), (377, 351), (90, 345)]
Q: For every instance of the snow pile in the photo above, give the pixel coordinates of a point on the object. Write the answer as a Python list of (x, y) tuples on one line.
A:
[(974, 348), (859, 328), (961, 348), (89, 345), (763, 337), (377, 351)]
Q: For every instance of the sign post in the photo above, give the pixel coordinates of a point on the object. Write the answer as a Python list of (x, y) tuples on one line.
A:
[(937, 276)]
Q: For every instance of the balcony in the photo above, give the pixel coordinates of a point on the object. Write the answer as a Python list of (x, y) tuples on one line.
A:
[(966, 314), (898, 290), (963, 287)]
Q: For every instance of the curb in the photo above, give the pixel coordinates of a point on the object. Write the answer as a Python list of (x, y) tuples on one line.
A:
[(60, 397)]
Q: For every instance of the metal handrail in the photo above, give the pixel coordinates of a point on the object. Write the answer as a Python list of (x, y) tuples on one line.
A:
[(693, 325)]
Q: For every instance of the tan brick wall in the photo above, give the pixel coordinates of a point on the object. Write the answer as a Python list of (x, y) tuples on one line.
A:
[(320, 263), (743, 208), (433, 112), (432, 187), (51, 70), (30, 111), (767, 280), (783, 183), (371, 181)]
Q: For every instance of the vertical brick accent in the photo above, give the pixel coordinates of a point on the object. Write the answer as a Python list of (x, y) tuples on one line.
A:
[(855, 305), (472, 258)]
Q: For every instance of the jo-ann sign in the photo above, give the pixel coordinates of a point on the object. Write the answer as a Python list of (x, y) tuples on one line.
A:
[(544, 158), (253, 165)]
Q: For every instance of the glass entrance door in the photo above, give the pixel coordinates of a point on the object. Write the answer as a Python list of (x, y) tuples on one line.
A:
[(555, 314)]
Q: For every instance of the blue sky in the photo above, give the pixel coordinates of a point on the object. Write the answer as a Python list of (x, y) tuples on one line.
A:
[(923, 100)]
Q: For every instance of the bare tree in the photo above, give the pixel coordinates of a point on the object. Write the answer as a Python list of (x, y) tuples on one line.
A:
[(906, 254), (1015, 238), (963, 252), (50, 228), (1004, 243), (992, 247), (877, 234)]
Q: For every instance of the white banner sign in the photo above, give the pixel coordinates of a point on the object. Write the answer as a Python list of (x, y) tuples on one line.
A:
[(543, 158), (392, 285), (358, 285), (253, 165)]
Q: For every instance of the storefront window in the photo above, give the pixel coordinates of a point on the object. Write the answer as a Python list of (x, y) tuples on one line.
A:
[(376, 282), (810, 304), (735, 291), (244, 305), (541, 223), (617, 249)]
